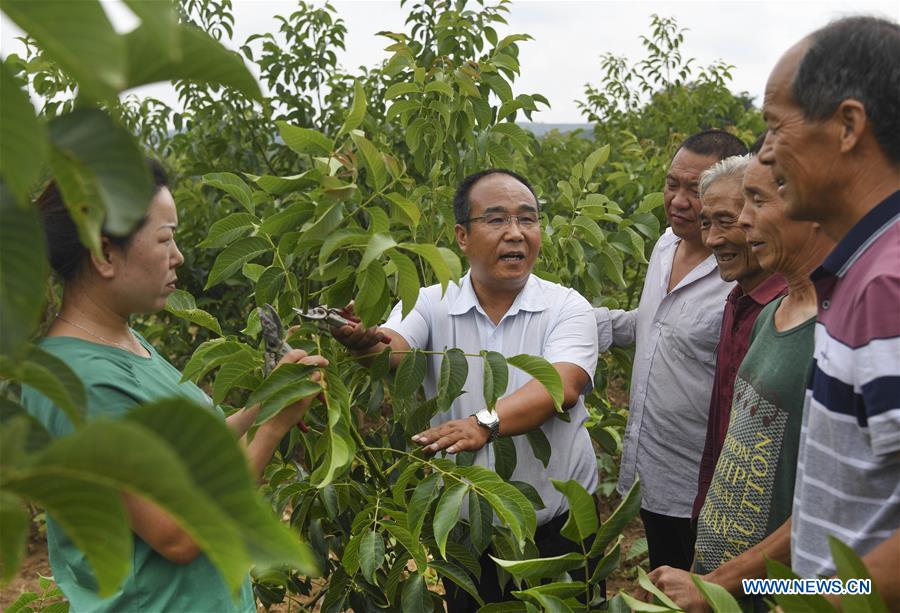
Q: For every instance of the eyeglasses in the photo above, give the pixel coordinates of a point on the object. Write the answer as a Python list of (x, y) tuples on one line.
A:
[(495, 221)]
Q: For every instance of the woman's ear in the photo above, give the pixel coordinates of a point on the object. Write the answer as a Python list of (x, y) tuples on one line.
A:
[(103, 263)]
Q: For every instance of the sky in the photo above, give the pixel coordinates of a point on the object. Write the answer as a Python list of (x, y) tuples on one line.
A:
[(569, 37)]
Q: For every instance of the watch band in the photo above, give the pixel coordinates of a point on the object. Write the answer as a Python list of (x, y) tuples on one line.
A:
[(489, 420)]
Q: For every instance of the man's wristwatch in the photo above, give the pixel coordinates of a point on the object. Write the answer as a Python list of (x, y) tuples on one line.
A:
[(489, 420)]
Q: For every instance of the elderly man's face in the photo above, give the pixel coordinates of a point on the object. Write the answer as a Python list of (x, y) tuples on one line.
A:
[(801, 152), (780, 243), (501, 251), (682, 203), (722, 204)]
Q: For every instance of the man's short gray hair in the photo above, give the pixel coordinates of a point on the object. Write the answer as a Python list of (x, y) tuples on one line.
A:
[(732, 167)]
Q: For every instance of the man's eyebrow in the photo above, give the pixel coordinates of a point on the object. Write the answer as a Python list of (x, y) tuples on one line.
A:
[(168, 225)]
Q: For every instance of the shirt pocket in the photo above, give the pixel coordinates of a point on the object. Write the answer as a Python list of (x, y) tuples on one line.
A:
[(695, 334)]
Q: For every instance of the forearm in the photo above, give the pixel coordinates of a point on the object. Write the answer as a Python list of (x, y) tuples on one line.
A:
[(752, 563), (240, 421), (160, 530), (883, 564), (261, 449)]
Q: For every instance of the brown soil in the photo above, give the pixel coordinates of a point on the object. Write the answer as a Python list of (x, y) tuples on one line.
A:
[(34, 564)]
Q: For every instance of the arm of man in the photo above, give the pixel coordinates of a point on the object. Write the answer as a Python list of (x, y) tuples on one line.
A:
[(615, 327), (883, 564), (751, 564), (522, 411)]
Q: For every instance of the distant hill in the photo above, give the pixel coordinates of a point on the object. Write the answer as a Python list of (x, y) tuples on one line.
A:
[(539, 129)]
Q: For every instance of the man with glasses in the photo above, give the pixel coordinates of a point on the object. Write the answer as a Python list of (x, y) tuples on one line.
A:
[(500, 306), (675, 330)]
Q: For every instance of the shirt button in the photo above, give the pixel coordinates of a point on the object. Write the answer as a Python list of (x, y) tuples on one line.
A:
[(826, 304)]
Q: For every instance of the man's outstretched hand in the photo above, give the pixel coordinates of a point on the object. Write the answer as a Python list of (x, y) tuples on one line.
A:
[(454, 436), (356, 337)]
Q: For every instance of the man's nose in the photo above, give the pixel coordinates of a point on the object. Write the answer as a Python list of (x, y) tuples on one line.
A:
[(745, 219), (713, 237), (682, 199), (512, 231)]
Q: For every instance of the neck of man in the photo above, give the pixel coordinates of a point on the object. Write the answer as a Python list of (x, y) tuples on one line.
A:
[(495, 298), (751, 282), (864, 190), (801, 301)]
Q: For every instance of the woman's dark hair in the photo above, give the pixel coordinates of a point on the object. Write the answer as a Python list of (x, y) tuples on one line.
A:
[(64, 248)]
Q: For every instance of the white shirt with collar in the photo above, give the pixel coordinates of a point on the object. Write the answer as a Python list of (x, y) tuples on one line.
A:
[(545, 319), (676, 335)]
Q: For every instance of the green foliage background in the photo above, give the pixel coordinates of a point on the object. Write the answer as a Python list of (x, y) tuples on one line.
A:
[(337, 185)]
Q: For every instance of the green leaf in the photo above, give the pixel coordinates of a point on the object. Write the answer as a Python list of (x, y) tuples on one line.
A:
[(377, 172), (286, 385), (23, 140), (103, 156), (357, 110), (203, 60), (269, 284), (805, 603), (650, 202), (50, 376), (452, 262), (236, 255), (23, 272), (232, 372), (13, 536), (454, 372), (433, 256), (457, 576), (407, 281), (544, 372), (410, 374), (288, 219), (414, 598), (372, 298), (159, 18), (595, 159), (407, 209), (611, 263), (607, 563), (639, 606), (279, 186), (210, 355), (505, 457), (621, 517), (336, 446), (519, 137), (582, 521), (716, 596), (80, 490), (350, 556), (400, 89), (77, 36), (591, 232), (426, 491), (414, 547), (181, 304), (304, 140), (226, 230), (496, 377), (480, 522), (218, 468), (850, 566), (645, 582), (371, 554), (378, 244), (540, 445), (233, 185), (541, 568), (446, 514)]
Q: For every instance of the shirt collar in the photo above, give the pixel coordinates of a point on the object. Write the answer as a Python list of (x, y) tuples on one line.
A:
[(860, 237), (768, 290), (531, 298)]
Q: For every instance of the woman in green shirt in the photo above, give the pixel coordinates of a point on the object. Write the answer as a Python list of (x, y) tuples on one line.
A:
[(120, 369)]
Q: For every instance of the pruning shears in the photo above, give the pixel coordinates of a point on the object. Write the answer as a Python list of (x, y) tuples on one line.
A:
[(276, 347), (326, 316)]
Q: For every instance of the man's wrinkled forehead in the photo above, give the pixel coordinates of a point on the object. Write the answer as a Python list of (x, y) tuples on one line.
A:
[(781, 80)]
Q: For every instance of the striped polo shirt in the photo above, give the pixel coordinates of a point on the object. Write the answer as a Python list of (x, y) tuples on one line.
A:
[(848, 471)]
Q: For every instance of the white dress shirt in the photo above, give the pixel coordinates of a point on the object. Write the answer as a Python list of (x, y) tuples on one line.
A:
[(676, 335), (545, 319)]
